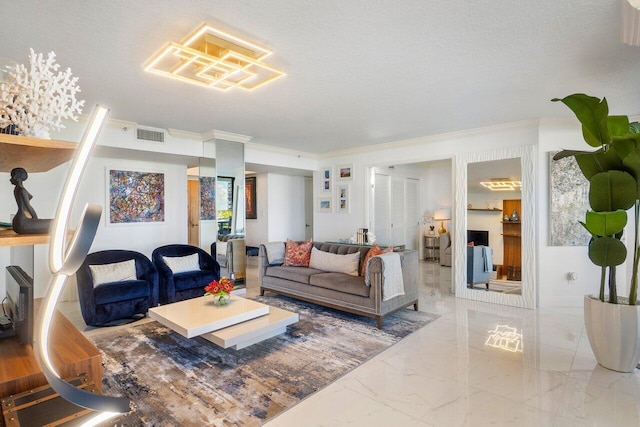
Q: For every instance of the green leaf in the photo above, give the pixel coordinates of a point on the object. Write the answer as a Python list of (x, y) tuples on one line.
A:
[(632, 164), (605, 223), (607, 252), (592, 114), (634, 127), (612, 190), (598, 161), (617, 125)]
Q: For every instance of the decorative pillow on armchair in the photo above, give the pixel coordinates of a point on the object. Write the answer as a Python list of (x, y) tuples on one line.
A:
[(297, 255), (374, 251), (115, 272)]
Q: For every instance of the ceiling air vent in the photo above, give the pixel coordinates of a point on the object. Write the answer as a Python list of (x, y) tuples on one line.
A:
[(149, 134)]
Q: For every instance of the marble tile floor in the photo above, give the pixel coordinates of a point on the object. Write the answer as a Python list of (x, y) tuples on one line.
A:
[(447, 374)]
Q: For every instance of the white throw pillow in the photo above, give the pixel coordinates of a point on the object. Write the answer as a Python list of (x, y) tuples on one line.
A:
[(221, 248), (181, 264), (326, 261), (116, 272)]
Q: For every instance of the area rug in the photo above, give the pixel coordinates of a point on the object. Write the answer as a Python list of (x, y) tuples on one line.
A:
[(173, 380)]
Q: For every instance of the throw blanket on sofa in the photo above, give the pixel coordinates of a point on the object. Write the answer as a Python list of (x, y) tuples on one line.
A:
[(486, 259), (392, 282)]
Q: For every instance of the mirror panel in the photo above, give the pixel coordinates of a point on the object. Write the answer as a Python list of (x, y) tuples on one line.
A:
[(494, 220), (526, 156), (208, 223), (230, 187)]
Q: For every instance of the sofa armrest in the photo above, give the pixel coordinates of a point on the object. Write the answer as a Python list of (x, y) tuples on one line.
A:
[(409, 260)]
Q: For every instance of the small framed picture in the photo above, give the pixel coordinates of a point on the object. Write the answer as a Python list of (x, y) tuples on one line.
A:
[(324, 205), (344, 172), (325, 181), (343, 199)]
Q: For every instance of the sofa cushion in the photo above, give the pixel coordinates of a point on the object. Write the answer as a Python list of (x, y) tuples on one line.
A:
[(341, 282), (120, 291), (296, 274), (374, 251), (326, 261), (180, 264), (297, 254), (114, 272)]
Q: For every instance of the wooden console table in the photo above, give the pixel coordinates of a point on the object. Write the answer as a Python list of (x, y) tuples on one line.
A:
[(71, 353)]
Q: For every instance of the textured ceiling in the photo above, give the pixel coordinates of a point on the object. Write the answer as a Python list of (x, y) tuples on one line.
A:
[(360, 72)]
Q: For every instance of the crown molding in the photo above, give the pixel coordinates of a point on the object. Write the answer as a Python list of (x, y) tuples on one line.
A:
[(432, 138), (285, 151), (226, 136)]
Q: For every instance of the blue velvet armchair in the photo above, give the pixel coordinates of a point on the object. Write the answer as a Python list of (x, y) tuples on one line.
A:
[(107, 302), (175, 287)]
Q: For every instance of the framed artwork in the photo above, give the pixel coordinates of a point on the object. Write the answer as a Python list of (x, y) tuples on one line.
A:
[(207, 198), (325, 181), (343, 199), (344, 172), (250, 197), (324, 205), (568, 201), (135, 197)]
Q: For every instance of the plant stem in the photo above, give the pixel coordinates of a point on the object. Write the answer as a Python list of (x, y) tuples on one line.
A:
[(633, 292), (613, 291), (603, 274)]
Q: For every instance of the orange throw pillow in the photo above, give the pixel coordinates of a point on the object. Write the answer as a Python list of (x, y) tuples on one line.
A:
[(375, 250), (297, 255)]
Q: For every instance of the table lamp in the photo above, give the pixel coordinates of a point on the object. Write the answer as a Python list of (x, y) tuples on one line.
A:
[(442, 215)]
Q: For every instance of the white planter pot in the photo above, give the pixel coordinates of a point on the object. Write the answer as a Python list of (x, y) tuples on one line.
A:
[(614, 333)]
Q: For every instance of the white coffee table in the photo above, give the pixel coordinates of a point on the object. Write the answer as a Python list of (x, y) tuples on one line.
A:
[(240, 323)]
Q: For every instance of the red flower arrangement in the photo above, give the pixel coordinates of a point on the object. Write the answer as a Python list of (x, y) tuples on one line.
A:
[(220, 289)]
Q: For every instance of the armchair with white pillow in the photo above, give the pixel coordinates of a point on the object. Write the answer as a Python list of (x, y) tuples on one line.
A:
[(183, 271), (115, 285)]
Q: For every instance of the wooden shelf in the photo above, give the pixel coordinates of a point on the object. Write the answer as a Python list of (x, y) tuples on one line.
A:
[(511, 235), (33, 154), (484, 210), (511, 222), (11, 238)]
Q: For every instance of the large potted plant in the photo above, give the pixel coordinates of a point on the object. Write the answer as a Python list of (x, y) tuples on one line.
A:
[(613, 172)]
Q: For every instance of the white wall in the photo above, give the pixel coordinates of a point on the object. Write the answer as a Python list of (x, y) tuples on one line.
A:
[(554, 262), (286, 207), (257, 229)]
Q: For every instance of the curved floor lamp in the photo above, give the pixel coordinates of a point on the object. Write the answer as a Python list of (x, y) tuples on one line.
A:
[(65, 261)]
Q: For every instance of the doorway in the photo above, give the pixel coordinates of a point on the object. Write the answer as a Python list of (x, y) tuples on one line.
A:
[(193, 212)]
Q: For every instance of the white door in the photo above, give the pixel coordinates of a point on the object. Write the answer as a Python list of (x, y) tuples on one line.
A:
[(308, 208), (381, 215), (398, 209), (411, 214)]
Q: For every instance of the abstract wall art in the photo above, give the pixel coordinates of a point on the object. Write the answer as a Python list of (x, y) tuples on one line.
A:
[(568, 203), (207, 198), (135, 197)]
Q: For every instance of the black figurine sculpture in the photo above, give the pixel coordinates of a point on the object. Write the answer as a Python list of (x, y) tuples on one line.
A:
[(26, 220)]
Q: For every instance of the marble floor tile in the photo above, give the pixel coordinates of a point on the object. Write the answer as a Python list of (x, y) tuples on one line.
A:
[(447, 374)]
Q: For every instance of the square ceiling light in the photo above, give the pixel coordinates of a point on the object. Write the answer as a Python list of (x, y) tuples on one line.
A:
[(502, 184), (213, 58)]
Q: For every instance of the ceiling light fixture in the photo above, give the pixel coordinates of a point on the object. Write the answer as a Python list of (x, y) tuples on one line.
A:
[(212, 58), (502, 184)]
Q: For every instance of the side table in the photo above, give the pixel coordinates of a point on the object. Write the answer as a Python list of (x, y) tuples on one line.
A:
[(432, 248)]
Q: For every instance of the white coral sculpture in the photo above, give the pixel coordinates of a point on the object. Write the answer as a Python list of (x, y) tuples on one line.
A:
[(37, 100)]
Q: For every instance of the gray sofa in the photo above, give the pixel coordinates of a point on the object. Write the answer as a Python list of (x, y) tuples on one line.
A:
[(339, 290), (233, 258)]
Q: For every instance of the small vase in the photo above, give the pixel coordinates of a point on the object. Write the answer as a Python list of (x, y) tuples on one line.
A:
[(221, 299), (514, 216)]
